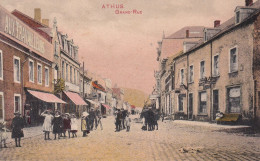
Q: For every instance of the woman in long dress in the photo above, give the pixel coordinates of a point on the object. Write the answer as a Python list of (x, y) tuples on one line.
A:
[(47, 125), (17, 128)]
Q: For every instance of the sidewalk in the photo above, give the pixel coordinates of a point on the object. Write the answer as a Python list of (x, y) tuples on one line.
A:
[(28, 133), (209, 125)]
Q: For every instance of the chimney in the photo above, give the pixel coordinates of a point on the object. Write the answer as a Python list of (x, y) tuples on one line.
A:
[(45, 22), (216, 23), (187, 33), (249, 2), (37, 14)]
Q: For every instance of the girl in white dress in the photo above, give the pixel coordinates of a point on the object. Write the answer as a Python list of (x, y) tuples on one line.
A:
[(47, 125), (74, 126)]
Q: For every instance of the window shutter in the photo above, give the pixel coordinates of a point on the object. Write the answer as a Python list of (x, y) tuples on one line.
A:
[(1, 106)]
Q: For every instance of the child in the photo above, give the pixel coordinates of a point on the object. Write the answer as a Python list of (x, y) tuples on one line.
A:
[(84, 128), (66, 124), (74, 126), (128, 122), (3, 135)]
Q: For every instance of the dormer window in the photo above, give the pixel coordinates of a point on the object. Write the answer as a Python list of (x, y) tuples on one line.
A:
[(241, 13), (237, 16)]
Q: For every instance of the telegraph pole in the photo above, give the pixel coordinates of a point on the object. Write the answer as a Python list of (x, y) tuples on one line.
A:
[(83, 80)]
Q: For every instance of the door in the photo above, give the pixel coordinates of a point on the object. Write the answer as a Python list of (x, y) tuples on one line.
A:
[(190, 106), (215, 103)]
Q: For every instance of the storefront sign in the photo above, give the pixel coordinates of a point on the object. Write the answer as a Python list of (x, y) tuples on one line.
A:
[(18, 31)]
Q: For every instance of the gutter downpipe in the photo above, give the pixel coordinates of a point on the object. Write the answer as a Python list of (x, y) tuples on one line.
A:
[(187, 90), (211, 105), (22, 82)]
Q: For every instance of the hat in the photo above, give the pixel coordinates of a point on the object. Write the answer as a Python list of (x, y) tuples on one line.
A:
[(67, 114), (85, 114), (17, 113)]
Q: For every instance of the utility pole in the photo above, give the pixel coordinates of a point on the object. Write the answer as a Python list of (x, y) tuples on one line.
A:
[(83, 80)]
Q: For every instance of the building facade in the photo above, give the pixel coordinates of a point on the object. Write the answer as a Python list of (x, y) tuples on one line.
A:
[(25, 70), (219, 73)]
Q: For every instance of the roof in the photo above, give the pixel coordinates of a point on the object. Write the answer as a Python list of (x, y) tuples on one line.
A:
[(225, 27), (75, 98), (194, 32), (37, 26), (46, 97), (98, 86)]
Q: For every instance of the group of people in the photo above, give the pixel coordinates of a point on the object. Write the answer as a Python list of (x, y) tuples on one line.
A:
[(59, 124), (122, 120), (90, 121), (150, 119)]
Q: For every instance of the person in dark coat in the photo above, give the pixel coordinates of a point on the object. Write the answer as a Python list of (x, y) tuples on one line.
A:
[(118, 120), (150, 118), (57, 125), (92, 117), (66, 124), (17, 128)]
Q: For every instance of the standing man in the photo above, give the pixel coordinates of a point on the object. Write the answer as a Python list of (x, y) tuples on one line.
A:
[(92, 116), (17, 128)]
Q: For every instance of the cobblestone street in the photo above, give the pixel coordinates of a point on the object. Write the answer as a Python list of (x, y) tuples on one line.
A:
[(171, 142)]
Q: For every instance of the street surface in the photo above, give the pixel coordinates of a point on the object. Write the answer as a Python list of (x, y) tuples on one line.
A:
[(173, 141)]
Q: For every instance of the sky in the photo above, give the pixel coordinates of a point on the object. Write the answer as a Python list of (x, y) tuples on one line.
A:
[(122, 47)]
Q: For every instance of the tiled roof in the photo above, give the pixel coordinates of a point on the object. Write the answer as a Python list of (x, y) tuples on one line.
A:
[(37, 26), (194, 32), (227, 26)]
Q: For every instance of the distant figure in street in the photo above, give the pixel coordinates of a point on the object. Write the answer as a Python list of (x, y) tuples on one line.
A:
[(124, 113), (57, 125), (74, 126), (92, 117), (84, 127), (150, 119), (118, 120), (17, 128), (47, 124), (99, 119), (66, 124), (162, 116), (128, 122)]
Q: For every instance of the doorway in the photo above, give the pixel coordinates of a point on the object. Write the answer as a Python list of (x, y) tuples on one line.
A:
[(215, 103), (190, 106)]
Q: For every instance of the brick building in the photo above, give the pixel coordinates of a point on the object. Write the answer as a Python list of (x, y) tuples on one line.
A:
[(25, 70), (64, 54)]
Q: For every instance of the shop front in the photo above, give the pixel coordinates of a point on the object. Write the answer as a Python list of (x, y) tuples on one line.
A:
[(75, 104), (36, 102)]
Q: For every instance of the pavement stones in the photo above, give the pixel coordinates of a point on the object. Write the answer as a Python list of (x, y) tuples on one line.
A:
[(171, 142)]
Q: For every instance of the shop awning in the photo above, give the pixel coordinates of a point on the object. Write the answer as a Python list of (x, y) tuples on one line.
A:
[(92, 102), (108, 107), (46, 97), (75, 98)]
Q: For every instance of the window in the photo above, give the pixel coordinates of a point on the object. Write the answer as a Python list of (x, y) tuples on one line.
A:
[(182, 76), (67, 72), (71, 74), (75, 74), (181, 101), (202, 69), (191, 74), (62, 69), (215, 65), (237, 16), (1, 106), (17, 103), (17, 73), (233, 60), (1, 65), (234, 100), (31, 70), (56, 48), (46, 76), (203, 102), (39, 73)]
